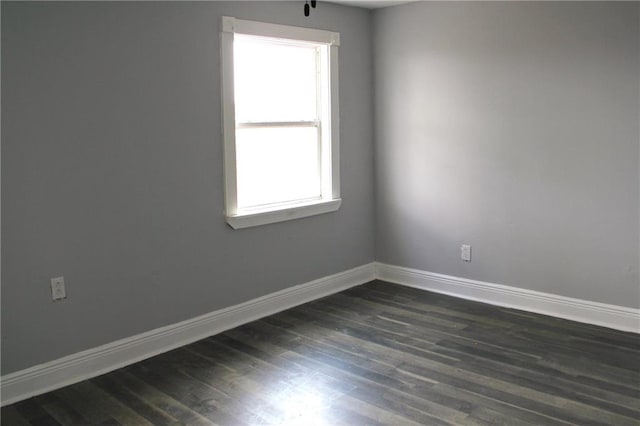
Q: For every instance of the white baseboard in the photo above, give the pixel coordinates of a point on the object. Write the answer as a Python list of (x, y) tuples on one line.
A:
[(96, 361), (612, 316)]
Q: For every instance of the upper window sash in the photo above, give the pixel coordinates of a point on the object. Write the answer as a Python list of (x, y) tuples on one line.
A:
[(241, 26)]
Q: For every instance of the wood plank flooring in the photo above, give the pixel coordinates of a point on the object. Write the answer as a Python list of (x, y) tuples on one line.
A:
[(376, 354)]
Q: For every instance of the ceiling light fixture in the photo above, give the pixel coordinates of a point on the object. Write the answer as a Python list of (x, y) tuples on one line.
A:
[(307, 9)]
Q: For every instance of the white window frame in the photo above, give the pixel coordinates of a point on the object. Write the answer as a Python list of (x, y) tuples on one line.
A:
[(330, 131)]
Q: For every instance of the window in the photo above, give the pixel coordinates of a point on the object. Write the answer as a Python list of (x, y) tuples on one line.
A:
[(280, 122)]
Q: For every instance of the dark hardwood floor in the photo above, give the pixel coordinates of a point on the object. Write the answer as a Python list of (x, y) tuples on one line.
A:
[(376, 354)]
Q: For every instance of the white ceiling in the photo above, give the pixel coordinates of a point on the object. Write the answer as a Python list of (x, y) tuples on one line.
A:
[(370, 4)]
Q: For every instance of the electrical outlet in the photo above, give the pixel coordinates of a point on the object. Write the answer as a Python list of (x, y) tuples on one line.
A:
[(465, 252), (58, 292)]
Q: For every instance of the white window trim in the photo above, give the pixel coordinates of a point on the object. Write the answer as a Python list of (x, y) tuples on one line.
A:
[(286, 211)]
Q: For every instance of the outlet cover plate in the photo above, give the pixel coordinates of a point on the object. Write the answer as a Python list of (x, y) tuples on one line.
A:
[(58, 291), (465, 252)]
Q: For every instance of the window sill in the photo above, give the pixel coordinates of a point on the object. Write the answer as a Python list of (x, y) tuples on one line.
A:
[(246, 220)]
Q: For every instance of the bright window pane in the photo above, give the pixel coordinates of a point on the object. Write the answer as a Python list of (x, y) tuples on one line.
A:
[(274, 81), (277, 164)]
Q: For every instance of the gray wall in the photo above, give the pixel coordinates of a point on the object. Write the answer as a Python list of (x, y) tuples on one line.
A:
[(512, 127), (112, 172)]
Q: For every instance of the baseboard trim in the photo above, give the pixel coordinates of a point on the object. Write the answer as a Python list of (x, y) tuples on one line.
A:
[(93, 362), (611, 316)]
